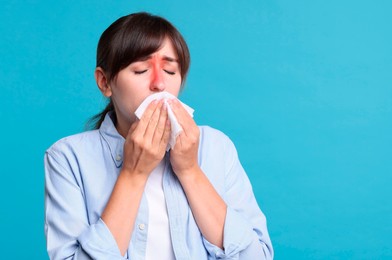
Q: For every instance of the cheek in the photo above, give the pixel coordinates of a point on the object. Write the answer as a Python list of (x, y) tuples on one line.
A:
[(175, 87), (126, 95), (173, 84), (128, 86), (174, 90)]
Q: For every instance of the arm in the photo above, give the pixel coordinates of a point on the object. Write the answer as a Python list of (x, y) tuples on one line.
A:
[(207, 206), (234, 227), (69, 233), (245, 228)]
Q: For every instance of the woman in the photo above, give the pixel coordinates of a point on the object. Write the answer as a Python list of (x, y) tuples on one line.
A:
[(116, 193)]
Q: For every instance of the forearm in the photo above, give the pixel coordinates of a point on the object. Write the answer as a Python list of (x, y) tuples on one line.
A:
[(207, 206), (122, 208)]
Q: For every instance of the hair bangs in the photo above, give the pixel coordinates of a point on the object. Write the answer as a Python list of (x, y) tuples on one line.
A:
[(139, 40)]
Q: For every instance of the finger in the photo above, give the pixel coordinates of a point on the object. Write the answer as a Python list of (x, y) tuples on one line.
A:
[(133, 127), (145, 119), (179, 141), (161, 125), (152, 124), (183, 117), (166, 134)]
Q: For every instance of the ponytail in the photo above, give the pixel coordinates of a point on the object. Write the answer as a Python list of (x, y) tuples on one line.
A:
[(96, 121)]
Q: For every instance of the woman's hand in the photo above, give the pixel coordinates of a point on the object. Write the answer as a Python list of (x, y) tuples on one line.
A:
[(183, 156), (147, 139)]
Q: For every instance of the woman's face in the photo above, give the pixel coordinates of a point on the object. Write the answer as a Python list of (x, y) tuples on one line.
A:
[(155, 73)]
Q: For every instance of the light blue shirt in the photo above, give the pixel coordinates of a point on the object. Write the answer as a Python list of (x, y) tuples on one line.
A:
[(80, 173)]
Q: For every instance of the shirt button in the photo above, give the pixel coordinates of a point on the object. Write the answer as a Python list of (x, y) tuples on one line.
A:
[(142, 226), (118, 157)]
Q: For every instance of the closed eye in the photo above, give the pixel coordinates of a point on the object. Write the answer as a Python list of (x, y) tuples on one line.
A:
[(138, 72), (170, 72)]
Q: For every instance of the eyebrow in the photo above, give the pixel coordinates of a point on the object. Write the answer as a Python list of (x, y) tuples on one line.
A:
[(165, 58)]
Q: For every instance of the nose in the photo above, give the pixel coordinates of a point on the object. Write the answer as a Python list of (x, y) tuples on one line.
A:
[(157, 80)]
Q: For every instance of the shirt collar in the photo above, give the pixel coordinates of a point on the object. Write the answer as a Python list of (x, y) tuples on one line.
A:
[(114, 140)]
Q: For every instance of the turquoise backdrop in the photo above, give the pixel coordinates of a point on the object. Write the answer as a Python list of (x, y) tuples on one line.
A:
[(303, 88)]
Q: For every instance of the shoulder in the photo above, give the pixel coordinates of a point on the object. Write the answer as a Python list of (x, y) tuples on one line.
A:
[(215, 146), (65, 157), (218, 158), (70, 144), (214, 138)]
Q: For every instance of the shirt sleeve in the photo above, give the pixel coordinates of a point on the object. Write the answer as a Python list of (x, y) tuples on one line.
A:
[(69, 235), (245, 229)]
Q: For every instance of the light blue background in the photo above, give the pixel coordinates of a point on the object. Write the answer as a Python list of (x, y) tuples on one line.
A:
[(303, 88)]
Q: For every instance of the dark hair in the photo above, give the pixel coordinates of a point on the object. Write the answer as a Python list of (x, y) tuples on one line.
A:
[(131, 38)]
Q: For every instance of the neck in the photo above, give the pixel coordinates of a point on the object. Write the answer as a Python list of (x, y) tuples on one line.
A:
[(123, 125)]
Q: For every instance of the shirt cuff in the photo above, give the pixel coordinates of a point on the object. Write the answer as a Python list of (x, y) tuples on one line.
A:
[(99, 243), (237, 236)]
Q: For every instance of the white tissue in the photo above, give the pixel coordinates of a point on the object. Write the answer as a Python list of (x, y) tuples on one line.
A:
[(176, 128)]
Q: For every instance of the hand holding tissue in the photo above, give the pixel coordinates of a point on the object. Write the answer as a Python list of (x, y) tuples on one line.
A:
[(176, 128)]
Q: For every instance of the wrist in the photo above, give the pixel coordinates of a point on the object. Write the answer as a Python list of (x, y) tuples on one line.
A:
[(188, 175), (134, 179)]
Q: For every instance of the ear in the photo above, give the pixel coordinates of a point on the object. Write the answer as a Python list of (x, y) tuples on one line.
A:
[(103, 84)]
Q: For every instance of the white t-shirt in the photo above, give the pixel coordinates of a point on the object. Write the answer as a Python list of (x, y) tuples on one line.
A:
[(159, 245)]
